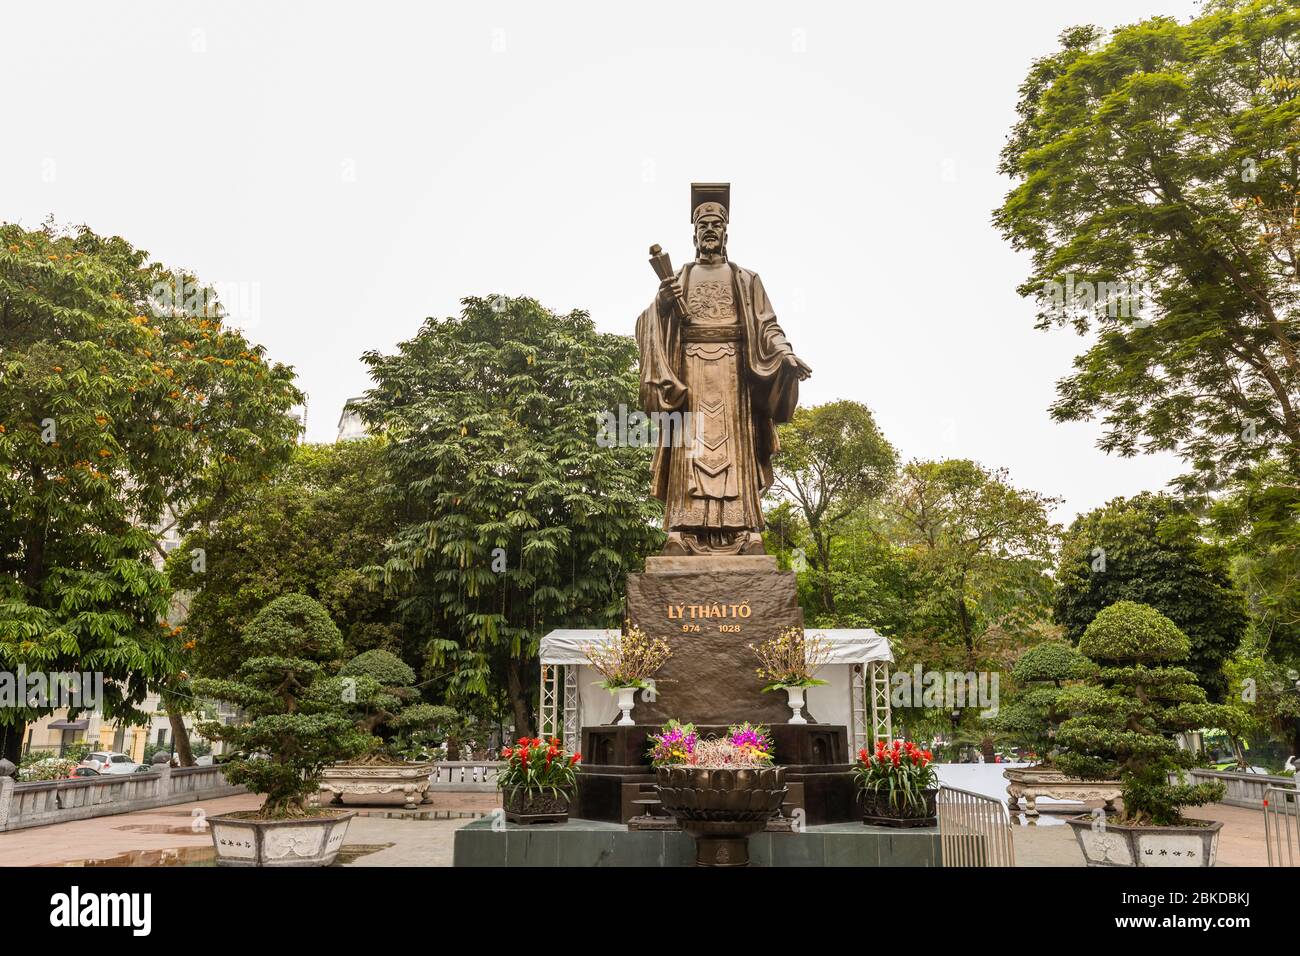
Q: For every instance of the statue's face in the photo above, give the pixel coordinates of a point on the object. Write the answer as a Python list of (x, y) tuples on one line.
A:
[(710, 235)]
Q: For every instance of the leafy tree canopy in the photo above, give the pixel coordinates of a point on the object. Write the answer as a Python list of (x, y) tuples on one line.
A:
[(514, 519), (833, 460), (310, 529), (1161, 164), (121, 409), (1148, 549)]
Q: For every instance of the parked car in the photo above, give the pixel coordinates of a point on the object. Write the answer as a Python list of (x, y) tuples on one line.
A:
[(109, 762), (1230, 766)]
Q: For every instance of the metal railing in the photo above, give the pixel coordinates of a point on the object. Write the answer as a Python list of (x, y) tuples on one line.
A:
[(1282, 826), (464, 776), (974, 830)]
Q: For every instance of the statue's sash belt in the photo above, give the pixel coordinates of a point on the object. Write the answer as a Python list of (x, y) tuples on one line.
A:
[(711, 333)]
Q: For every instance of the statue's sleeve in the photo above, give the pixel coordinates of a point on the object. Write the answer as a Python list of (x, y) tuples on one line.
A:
[(658, 341), (777, 383)]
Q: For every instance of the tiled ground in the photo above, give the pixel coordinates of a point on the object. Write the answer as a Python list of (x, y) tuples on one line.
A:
[(400, 840)]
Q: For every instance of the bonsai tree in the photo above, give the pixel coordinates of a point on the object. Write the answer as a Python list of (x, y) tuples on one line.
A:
[(386, 708), (1034, 715), (293, 731), (1123, 723)]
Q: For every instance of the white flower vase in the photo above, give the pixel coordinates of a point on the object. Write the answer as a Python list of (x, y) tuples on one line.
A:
[(796, 704), (626, 699)]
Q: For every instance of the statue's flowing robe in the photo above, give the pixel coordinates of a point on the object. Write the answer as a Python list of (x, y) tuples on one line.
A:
[(731, 376)]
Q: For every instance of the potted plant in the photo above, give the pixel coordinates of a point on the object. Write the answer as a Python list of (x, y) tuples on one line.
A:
[(537, 780), (790, 662), (1123, 724), (897, 785), (1034, 716), (292, 733), (720, 790), (387, 710), (627, 664)]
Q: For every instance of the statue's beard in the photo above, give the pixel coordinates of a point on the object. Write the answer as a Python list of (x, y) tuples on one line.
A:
[(719, 251)]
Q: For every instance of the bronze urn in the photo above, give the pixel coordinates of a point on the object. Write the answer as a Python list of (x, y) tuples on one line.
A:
[(721, 807)]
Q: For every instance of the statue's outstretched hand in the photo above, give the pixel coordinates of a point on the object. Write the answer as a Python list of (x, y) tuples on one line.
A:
[(801, 368)]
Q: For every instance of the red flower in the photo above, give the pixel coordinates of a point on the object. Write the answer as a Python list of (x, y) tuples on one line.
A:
[(575, 758), (506, 753)]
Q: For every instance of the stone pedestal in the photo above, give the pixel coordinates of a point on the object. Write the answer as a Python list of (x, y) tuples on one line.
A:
[(710, 609)]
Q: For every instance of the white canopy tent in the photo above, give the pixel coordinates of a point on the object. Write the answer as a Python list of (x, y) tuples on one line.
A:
[(856, 693)]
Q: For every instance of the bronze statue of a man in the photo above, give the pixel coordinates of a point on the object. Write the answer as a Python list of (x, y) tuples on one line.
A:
[(711, 349)]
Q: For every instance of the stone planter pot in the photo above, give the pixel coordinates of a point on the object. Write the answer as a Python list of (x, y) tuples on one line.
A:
[(1115, 844), (537, 807), (877, 812), (1030, 783), (242, 840), (796, 705), (398, 784), (626, 701), (720, 808)]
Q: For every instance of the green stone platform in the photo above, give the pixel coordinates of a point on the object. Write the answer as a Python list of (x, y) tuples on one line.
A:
[(597, 843)]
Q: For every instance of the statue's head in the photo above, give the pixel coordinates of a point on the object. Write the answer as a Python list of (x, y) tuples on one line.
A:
[(710, 211), (711, 233)]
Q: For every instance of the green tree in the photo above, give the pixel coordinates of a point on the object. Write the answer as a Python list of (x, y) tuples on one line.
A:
[(1150, 550), (122, 410), (387, 706), (297, 721), (1164, 158), (870, 577), (1260, 520), (833, 461), (310, 529), (1124, 724), (980, 549), (515, 519)]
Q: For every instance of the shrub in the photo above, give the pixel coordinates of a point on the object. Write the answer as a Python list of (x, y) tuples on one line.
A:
[(1034, 715), (294, 730), (1122, 723)]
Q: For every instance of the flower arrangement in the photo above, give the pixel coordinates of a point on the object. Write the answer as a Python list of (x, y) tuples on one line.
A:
[(630, 660), (745, 747), (674, 744), (751, 742), (898, 774), (535, 765), (791, 659)]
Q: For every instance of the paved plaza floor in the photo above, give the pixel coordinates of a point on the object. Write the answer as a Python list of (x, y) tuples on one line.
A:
[(392, 837)]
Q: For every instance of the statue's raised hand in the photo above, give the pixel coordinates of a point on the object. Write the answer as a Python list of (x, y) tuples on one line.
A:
[(671, 294)]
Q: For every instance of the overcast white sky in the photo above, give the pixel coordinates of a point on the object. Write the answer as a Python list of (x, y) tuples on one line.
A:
[(358, 167)]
